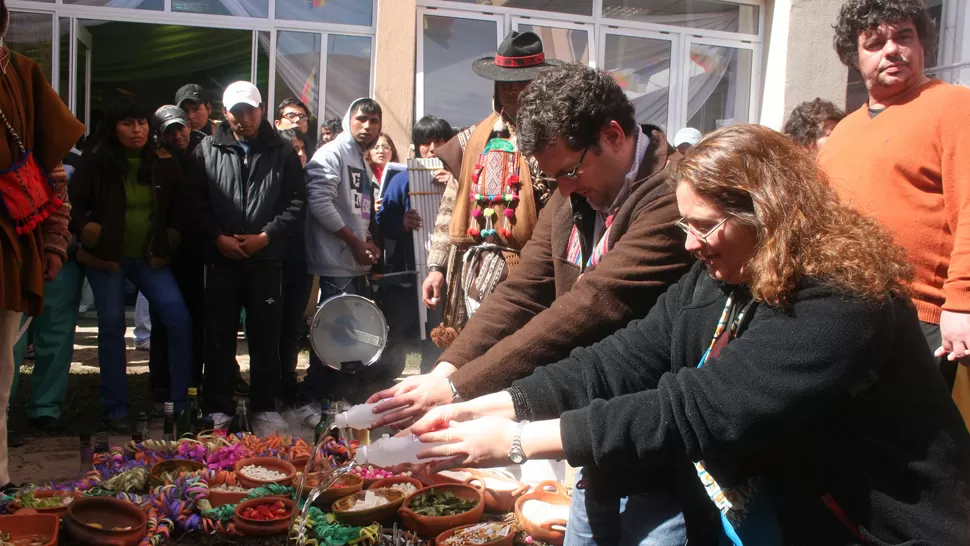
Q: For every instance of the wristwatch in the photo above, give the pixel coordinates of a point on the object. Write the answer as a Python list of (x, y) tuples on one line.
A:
[(516, 453)]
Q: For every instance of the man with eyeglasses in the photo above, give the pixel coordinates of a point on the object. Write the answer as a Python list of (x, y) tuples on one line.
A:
[(604, 249), (292, 114)]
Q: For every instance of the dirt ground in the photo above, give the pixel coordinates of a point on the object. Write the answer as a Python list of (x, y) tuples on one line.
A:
[(55, 455)]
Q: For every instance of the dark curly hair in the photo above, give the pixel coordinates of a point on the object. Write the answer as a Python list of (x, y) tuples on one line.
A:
[(858, 16), (571, 102), (805, 122)]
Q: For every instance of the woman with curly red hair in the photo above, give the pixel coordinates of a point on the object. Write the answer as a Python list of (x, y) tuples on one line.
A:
[(787, 370)]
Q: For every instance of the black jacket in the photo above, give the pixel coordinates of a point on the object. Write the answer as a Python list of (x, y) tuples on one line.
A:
[(98, 202), (262, 191), (835, 396)]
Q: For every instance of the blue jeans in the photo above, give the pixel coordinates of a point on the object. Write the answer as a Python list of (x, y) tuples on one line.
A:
[(143, 321), (163, 294), (647, 519)]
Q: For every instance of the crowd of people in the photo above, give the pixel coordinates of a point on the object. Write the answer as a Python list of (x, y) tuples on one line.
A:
[(746, 336)]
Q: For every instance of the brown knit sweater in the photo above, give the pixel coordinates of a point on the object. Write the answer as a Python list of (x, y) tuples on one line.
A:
[(542, 311)]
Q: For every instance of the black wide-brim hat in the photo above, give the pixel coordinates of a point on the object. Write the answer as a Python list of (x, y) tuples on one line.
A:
[(519, 59)]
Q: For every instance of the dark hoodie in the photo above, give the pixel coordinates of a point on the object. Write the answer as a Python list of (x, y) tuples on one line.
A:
[(252, 192)]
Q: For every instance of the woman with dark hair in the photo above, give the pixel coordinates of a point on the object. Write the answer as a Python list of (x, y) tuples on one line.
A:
[(812, 415), (125, 197), (297, 138), (380, 154)]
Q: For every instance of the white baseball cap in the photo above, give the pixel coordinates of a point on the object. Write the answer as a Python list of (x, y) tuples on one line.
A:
[(687, 135), (241, 93)]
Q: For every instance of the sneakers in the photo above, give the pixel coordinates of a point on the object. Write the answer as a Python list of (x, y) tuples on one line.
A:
[(220, 420), (271, 420), (143, 345), (307, 415)]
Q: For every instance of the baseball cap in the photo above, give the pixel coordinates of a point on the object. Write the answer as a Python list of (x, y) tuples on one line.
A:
[(241, 93), (687, 135), (168, 115), (192, 92)]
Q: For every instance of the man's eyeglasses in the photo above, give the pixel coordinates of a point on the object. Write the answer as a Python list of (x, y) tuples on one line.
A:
[(295, 116), (687, 228), (571, 175)]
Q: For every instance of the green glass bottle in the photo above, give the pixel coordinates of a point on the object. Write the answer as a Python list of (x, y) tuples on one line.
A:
[(190, 413)]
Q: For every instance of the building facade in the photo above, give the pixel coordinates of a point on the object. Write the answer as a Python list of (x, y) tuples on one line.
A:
[(696, 63)]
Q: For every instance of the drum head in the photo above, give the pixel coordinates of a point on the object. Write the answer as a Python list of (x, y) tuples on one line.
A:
[(348, 332)]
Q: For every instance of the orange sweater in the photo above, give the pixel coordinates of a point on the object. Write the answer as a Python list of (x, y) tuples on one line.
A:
[(909, 168)]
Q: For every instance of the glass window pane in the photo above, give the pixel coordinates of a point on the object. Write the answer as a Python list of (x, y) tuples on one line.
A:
[(155, 5), (82, 80), (30, 34), (346, 12), (642, 68), (298, 68), (451, 90), (719, 92), (262, 63), (564, 44), (348, 72), (237, 8), (707, 14), (576, 7)]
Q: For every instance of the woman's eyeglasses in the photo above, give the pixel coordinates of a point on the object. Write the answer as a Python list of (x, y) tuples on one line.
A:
[(382, 147), (687, 228), (571, 175)]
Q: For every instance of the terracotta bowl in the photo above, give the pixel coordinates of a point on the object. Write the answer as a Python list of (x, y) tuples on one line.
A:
[(500, 493), (349, 484), (177, 465), (58, 511), (112, 515), (270, 463), (388, 482), (257, 528), (444, 477), (554, 531), (507, 540), (431, 526), (27, 523), (383, 513), (220, 498)]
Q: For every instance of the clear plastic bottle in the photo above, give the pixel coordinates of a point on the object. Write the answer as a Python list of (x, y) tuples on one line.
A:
[(389, 451), (359, 417)]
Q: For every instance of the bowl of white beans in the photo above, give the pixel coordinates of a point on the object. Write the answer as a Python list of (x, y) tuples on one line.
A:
[(259, 471)]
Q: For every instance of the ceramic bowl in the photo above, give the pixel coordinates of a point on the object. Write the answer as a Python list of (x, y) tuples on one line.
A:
[(121, 523), (173, 465), (348, 485), (27, 524), (270, 463), (500, 493), (507, 540), (388, 482), (431, 526), (383, 513), (553, 531), (259, 528), (58, 511), (221, 498)]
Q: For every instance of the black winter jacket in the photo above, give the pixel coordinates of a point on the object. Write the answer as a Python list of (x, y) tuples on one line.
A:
[(241, 194), (98, 201), (835, 396)]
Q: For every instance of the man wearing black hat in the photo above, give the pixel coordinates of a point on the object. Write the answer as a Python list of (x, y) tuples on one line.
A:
[(519, 59), (195, 102), (171, 127)]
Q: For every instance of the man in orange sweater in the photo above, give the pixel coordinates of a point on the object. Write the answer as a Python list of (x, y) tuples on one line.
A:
[(903, 159)]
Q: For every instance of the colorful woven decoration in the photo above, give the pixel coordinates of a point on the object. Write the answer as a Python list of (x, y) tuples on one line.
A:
[(495, 189)]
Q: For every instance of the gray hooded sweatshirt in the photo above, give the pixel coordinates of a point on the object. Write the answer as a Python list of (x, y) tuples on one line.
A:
[(339, 189)]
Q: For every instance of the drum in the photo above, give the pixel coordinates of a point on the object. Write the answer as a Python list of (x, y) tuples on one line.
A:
[(348, 332)]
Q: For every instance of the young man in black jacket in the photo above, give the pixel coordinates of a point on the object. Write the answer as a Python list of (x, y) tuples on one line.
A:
[(253, 198)]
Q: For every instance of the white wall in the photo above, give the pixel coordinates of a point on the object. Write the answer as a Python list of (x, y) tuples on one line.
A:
[(801, 63)]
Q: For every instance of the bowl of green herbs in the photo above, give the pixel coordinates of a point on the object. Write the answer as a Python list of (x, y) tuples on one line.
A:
[(45, 501), (433, 510)]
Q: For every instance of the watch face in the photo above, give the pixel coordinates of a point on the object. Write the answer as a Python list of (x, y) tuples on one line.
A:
[(517, 457)]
